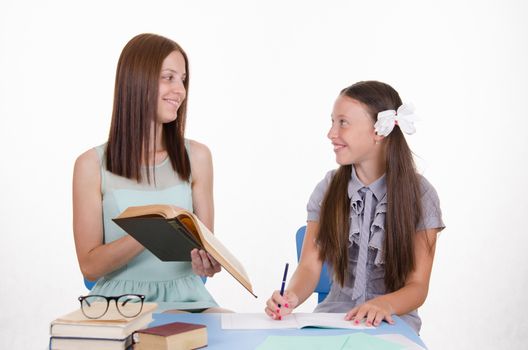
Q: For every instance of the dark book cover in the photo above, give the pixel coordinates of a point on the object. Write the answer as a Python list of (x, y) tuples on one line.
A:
[(168, 239)]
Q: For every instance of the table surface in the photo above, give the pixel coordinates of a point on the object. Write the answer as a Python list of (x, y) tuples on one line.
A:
[(219, 338)]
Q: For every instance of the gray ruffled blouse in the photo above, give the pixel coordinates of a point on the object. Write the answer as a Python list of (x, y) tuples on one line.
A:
[(366, 263)]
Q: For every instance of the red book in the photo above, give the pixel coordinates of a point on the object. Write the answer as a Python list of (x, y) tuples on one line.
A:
[(171, 336)]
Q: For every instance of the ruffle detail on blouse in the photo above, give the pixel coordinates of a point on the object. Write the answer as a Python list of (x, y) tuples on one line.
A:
[(377, 228)]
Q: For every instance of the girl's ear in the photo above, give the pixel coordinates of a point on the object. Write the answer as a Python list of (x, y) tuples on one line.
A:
[(378, 138)]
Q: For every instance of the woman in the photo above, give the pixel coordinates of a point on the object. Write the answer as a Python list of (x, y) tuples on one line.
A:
[(146, 160)]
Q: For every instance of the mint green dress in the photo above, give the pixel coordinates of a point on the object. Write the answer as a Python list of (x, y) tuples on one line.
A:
[(172, 285)]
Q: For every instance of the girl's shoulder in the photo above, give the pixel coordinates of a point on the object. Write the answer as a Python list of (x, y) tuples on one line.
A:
[(426, 188), (431, 211)]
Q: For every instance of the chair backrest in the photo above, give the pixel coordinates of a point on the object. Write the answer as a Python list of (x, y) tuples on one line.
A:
[(89, 284), (325, 282)]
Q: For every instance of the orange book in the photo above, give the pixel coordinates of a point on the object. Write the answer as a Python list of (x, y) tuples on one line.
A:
[(171, 233), (171, 336)]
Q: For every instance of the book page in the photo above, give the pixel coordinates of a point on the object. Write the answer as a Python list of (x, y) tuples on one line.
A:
[(217, 250), (327, 320), (164, 210), (295, 320), (111, 315), (255, 321)]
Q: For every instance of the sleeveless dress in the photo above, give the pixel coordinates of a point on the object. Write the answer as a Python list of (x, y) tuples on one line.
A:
[(172, 285), (367, 282)]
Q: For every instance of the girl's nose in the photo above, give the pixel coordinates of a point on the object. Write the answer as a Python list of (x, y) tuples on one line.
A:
[(332, 133)]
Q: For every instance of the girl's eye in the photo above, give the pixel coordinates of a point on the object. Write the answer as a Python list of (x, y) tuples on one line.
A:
[(343, 122)]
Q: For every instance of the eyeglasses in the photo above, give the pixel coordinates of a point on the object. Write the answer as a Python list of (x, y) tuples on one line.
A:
[(95, 306)]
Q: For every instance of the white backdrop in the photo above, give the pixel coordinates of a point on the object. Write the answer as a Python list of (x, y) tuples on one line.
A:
[(264, 76)]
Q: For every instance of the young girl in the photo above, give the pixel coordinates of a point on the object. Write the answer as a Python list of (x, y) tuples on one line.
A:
[(145, 161), (374, 219)]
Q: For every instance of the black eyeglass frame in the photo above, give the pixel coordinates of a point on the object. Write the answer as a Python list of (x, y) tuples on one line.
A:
[(108, 300)]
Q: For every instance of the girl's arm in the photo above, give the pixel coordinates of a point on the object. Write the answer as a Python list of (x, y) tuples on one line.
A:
[(203, 205), (96, 259), (304, 280), (411, 295)]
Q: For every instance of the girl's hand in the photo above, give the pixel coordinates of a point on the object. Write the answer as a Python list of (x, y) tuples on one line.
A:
[(204, 264), (374, 310), (287, 303)]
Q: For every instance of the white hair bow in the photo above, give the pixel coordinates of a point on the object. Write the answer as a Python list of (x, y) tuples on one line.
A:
[(404, 117)]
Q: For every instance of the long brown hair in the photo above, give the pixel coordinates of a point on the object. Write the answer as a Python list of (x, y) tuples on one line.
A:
[(403, 197), (135, 107)]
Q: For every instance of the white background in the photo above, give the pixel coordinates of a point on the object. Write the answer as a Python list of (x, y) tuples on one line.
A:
[(264, 76)]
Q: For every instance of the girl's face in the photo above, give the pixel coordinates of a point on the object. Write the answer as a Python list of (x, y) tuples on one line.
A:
[(171, 89), (352, 132)]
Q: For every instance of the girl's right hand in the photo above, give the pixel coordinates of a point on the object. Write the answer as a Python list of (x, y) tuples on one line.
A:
[(288, 302)]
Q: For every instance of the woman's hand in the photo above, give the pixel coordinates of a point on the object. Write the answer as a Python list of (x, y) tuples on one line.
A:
[(287, 302), (204, 264), (374, 310)]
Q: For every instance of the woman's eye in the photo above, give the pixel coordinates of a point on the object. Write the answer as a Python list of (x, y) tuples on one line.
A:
[(168, 77)]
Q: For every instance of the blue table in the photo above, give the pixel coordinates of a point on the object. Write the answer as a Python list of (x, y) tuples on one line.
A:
[(249, 339)]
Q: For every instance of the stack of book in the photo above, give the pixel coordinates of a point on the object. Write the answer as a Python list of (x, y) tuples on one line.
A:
[(110, 332)]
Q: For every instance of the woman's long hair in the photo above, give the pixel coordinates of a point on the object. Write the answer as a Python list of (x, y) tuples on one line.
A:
[(135, 108), (403, 197)]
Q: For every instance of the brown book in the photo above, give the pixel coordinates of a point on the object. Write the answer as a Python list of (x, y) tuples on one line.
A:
[(171, 336), (171, 233)]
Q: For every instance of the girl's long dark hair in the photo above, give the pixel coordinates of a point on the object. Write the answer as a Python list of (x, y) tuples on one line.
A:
[(135, 107), (403, 197)]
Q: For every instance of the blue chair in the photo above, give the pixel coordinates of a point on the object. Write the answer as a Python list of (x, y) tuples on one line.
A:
[(325, 282), (89, 284)]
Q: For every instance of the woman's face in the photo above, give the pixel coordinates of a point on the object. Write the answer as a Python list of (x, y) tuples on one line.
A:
[(352, 132), (171, 89)]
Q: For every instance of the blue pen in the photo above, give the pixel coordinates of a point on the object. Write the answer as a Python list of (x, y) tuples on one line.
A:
[(284, 280)]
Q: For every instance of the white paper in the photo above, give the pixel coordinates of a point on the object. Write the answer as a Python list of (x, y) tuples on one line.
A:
[(295, 320)]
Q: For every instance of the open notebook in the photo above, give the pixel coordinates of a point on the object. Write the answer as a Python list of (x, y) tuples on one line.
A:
[(295, 320)]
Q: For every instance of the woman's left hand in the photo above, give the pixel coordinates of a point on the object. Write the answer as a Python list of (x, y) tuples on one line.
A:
[(204, 264), (374, 310)]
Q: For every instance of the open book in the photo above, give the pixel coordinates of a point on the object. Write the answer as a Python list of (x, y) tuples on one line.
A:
[(171, 233), (295, 320)]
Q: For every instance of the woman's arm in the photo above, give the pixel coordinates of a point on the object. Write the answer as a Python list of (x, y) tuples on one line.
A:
[(304, 280), (95, 258), (411, 295), (203, 204)]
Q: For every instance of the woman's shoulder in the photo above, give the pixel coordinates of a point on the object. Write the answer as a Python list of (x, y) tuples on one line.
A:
[(92, 155), (198, 151), (88, 158), (88, 164)]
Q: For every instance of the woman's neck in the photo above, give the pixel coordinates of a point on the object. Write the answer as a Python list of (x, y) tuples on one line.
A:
[(158, 149)]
